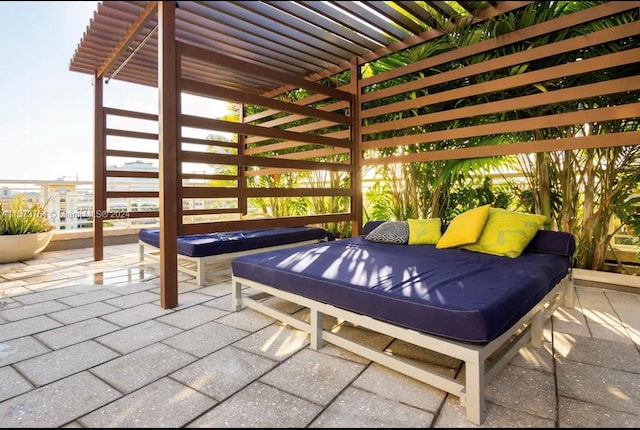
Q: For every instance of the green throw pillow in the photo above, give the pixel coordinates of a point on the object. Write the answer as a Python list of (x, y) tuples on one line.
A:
[(424, 231), (507, 233)]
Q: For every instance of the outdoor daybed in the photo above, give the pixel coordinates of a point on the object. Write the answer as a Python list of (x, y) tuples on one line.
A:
[(210, 253), (468, 305)]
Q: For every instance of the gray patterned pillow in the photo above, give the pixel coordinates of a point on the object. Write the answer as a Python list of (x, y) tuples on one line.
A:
[(390, 232)]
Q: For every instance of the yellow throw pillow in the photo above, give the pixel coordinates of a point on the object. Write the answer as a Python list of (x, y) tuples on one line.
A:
[(256, 215), (507, 233), (424, 231), (465, 228)]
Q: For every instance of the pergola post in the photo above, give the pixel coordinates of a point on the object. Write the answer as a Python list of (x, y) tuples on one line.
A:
[(356, 152), (243, 204), (169, 173), (99, 170)]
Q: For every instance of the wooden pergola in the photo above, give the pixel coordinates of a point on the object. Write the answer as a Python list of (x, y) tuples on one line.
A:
[(259, 53)]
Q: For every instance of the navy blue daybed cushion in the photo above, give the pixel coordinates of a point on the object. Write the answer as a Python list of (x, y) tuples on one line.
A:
[(458, 294), (204, 245)]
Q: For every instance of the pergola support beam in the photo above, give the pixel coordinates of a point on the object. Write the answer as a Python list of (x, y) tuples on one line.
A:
[(170, 171)]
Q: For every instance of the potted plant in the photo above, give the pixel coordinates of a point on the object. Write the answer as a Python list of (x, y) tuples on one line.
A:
[(25, 230)]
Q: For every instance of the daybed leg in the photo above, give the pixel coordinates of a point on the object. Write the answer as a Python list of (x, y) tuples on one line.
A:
[(475, 396), (537, 333), (236, 295), (200, 277), (316, 329), (569, 294), (140, 252)]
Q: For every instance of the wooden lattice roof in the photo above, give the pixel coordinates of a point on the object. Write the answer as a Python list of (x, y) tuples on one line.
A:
[(305, 38)]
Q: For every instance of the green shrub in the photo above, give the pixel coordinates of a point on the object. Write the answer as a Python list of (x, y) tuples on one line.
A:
[(23, 218)]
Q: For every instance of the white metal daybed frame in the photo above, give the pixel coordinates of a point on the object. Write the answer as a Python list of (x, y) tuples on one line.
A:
[(201, 266), (478, 370)]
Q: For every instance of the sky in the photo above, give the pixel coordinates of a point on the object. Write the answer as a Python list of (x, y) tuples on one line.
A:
[(46, 110)]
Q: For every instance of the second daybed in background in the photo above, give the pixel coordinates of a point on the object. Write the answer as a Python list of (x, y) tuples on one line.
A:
[(472, 306), (211, 253)]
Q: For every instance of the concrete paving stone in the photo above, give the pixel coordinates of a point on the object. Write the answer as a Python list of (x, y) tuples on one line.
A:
[(260, 406), (453, 415), (610, 332), (392, 385), (12, 383), (218, 289), (610, 388), (46, 286), (413, 352), (358, 408), (138, 336), (361, 335), (84, 312), (328, 322), (570, 327), (118, 272), (629, 317), (577, 414), (162, 404), (622, 297), (26, 327), (574, 315), (7, 291), (277, 342), (223, 373), (599, 352), (137, 314), (590, 295), (57, 364), (131, 288), (205, 339), (28, 311), (81, 285), (246, 319), (313, 376), (282, 305), (222, 302), (11, 267), (528, 390), (20, 349), (57, 404), (8, 303), (83, 288), (141, 367), (134, 299), (535, 358), (188, 299), (53, 276), (44, 296), (192, 316), (188, 286), (85, 298), (634, 335), (601, 313), (75, 333)]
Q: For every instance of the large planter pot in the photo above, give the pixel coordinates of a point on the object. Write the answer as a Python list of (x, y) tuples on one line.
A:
[(20, 247)]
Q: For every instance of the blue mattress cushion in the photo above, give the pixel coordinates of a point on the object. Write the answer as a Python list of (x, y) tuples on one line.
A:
[(453, 293), (203, 245)]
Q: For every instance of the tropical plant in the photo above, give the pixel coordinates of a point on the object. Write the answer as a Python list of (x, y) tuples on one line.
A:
[(584, 192), (23, 218)]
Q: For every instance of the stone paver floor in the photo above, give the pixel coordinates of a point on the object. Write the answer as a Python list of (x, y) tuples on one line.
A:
[(86, 344)]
